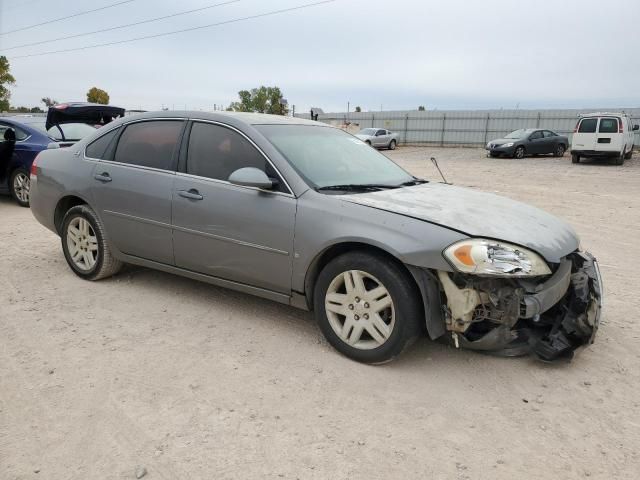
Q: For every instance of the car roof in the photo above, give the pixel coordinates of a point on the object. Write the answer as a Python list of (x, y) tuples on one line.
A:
[(228, 117), (603, 114)]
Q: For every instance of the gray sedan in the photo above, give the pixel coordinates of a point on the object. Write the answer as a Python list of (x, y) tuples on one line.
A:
[(378, 137), (307, 215), (528, 141)]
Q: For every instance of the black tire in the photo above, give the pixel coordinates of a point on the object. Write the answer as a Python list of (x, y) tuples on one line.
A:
[(575, 158), (18, 195), (368, 142), (619, 160), (392, 145), (560, 149), (106, 264), (407, 305), (519, 152), (629, 154)]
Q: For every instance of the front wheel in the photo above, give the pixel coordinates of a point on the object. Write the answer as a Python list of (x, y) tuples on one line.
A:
[(519, 153), (392, 145), (575, 158), (85, 245), (368, 142), (367, 307), (20, 186), (559, 151)]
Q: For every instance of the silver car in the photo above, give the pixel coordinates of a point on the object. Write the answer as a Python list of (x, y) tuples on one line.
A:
[(305, 214), (378, 138)]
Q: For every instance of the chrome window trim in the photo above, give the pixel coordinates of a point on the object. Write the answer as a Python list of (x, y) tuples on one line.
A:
[(226, 125), (226, 182)]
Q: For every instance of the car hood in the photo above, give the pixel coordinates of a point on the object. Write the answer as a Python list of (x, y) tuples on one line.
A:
[(477, 214), (501, 141)]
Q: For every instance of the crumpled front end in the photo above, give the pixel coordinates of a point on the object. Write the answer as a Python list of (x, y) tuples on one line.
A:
[(550, 318)]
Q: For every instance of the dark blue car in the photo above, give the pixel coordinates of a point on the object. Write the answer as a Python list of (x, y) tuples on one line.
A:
[(22, 137)]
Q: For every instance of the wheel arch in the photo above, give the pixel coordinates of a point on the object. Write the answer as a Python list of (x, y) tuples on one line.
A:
[(62, 207), (425, 281)]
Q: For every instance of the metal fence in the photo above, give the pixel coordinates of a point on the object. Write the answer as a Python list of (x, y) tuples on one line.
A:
[(465, 127)]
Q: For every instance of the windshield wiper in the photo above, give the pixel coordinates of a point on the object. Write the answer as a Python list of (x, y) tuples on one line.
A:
[(357, 186), (411, 183)]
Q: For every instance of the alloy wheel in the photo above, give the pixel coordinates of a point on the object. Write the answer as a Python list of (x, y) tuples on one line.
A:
[(82, 244), (360, 309), (22, 187)]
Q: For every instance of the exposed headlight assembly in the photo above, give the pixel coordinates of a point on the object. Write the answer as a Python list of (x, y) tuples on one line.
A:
[(480, 256), (510, 144)]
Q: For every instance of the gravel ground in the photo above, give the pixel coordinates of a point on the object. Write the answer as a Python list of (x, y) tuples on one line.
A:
[(148, 372)]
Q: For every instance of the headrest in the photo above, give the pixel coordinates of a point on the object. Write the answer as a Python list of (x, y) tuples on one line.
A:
[(9, 135)]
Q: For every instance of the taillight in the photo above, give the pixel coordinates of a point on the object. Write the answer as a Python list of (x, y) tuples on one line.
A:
[(620, 127), (34, 167)]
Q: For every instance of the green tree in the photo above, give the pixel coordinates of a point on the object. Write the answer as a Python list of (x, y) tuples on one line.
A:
[(358, 109), (421, 108), (6, 80), (95, 95), (260, 100), (49, 102)]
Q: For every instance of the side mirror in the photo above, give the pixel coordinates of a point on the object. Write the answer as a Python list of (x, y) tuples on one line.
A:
[(251, 177), (636, 127)]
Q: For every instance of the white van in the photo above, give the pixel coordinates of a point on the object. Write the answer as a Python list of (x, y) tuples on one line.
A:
[(603, 135)]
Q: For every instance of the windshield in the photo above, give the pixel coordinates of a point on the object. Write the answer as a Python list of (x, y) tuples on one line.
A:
[(368, 131), (326, 156), (517, 134), (72, 131)]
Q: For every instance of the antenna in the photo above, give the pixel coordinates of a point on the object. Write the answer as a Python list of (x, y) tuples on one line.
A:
[(435, 162)]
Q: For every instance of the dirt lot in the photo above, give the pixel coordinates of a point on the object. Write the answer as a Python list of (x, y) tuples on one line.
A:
[(193, 382)]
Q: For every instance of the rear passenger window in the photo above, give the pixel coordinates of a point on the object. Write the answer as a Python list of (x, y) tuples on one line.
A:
[(216, 152), (588, 125), (102, 148), (548, 134), (150, 144), (608, 125)]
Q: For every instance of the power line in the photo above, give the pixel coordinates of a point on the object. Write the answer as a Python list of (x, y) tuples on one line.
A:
[(122, 26), (211, 25), (67, 17)]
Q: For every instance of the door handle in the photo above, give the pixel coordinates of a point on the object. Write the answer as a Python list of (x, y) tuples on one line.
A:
[(192, 194), (103, 177)]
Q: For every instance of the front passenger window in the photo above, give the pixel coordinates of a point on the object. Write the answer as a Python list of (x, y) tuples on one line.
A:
[(216, 152)]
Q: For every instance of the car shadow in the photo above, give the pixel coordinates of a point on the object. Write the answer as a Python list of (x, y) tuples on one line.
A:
[(291, 322)]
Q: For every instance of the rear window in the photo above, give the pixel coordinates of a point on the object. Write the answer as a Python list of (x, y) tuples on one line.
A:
[(100, 148), (149, 144), (588, 125), (71, 131), (608, 125)]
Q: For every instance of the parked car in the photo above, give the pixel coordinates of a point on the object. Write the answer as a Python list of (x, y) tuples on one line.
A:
[(528, 141), (378, 138), (608, 135), (300, 213), (24, 136)]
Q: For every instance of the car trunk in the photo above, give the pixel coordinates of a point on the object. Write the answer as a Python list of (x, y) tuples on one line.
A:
[(92, 114)]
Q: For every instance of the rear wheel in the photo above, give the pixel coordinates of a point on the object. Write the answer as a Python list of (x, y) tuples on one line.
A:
[(85, 245), (575, 158), (519, 153), (629, 154), (367, 307), (392, 145), (620, 159), (20, 186), (560, 149)]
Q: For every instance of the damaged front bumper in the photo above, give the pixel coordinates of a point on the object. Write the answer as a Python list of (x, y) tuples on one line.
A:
[(512, 317)]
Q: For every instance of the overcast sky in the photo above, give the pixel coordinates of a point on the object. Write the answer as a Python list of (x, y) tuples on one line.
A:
[(394, 54)]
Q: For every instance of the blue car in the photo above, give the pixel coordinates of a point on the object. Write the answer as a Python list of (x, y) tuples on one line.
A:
[(22, 137)]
